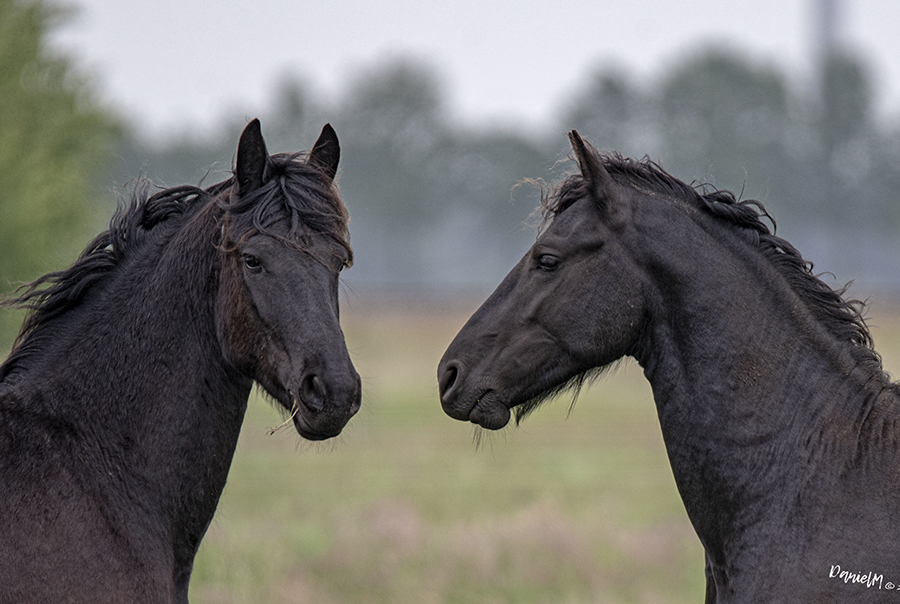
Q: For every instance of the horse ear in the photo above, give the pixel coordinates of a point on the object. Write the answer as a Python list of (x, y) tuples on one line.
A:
[(591, 168), (251, 159), (326, 153), (599, 180)]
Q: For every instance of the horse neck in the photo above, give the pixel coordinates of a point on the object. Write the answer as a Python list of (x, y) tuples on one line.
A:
[(137, 376), (747, 382)]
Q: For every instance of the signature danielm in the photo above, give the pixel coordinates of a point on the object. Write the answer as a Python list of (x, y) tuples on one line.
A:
[(869, 580)]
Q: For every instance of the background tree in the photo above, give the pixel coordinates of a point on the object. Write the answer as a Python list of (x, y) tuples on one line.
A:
[(614, 113), (846, 101), (853, 171), (390, 124), (723, 122), (54, 138)]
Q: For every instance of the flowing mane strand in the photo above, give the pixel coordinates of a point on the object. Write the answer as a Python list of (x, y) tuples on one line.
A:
[(843, 318)]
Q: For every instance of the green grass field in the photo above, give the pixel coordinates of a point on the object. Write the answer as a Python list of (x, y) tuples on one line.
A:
[(570, 507)]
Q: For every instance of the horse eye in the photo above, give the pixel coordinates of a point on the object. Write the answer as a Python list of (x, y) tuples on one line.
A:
[(342, 260), (547, 262), (251, 262)]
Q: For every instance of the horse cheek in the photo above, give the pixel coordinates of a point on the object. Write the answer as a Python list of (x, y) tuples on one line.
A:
[(614, 314), (237, 324)]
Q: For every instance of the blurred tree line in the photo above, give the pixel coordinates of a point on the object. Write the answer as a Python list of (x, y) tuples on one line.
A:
[(54, 137), (436, 203)]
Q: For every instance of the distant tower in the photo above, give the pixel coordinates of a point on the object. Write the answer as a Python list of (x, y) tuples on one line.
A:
[(826, 47), (826, 27), (826, 33), (841, 80)]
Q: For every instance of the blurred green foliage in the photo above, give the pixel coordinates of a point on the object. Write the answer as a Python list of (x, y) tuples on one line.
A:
[(54, 138)]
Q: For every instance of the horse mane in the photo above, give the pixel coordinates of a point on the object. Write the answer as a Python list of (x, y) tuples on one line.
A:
[(293, 190), (130, 228), (842, 318)]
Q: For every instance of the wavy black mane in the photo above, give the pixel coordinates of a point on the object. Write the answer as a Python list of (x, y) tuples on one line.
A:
[(292, 190), (843, 318), (130, 228)]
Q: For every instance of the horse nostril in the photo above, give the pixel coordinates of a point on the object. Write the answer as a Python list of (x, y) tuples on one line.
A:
[(312, 392), (448, 378)]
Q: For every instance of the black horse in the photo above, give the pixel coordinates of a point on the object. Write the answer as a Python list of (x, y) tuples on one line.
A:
[(122, 400), (780, 424)]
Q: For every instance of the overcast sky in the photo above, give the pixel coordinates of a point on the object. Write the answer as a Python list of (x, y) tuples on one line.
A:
[(183, 64)]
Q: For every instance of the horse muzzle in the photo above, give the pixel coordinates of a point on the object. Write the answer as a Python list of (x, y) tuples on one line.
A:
[(322, 405), (483, 407)]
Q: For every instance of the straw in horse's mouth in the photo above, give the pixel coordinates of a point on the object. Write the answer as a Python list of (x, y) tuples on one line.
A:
[(294, 409)]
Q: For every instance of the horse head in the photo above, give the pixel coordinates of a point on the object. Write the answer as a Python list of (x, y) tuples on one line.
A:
[(538, 332), (284, 242)]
